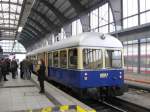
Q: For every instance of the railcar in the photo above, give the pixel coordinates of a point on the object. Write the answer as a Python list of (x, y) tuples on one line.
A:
[(84, 62)]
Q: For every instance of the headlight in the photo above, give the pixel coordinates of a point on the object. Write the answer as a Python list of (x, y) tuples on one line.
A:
[(120, 76), (85, 74)]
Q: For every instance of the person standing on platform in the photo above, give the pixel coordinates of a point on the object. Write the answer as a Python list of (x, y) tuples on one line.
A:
[(1, 75), (30, 67), (8, 65), (4, 69), (26, 69), (14, 67), (21, 69), (41, 75)]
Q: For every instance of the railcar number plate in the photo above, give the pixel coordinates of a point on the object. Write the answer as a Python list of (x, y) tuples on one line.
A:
[(103, 75)]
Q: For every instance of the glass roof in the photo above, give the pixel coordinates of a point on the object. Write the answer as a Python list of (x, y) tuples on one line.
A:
[(9, 16), (8, 44)]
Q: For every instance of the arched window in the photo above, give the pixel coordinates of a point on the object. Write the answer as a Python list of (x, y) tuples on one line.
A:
[(8, 44), (135, 12), (62, 34), (76, 27), (101, 19), (145, 11), (130, 13)]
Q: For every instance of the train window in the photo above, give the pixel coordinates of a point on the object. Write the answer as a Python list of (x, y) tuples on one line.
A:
[(35, 60), (55, 59), (50, 59), (72, 55), (92, 59), (113, 59), (63, 59)]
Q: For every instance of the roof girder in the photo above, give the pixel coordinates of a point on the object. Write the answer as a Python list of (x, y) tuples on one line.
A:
[(39, 24), (27, 34), (45, 18), (58, 14), (9, 19), (25, 41), (77, 6), (33, 28), (31, 32), (16, 13), (7, 28), (7, 24)]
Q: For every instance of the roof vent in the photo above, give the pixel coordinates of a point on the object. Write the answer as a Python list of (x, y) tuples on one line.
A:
[(102, 37)]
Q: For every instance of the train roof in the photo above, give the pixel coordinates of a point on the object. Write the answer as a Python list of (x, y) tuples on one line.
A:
[(87, 39)]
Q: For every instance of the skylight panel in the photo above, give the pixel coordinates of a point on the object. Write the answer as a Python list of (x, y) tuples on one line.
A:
[(18, 9), (13, 7), (9, 16), (20, 1), (11, 21), (5, 0), (6, 21), (6, 15), (5, 7), (12, 16)]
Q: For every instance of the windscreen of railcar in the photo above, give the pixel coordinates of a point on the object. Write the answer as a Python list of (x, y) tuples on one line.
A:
[(92, 59), (113, 58)]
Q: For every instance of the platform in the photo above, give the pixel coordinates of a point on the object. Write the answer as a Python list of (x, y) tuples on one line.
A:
[(61, 98), (139, 81), (141, 78), (17, 95), (140, 96)]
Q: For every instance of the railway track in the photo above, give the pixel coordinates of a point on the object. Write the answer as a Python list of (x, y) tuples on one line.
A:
[(104, 106), (127, 106), (138, 87), (115, 105), (108, 105)]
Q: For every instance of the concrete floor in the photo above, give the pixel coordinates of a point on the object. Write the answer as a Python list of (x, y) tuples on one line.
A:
[(19, 95)]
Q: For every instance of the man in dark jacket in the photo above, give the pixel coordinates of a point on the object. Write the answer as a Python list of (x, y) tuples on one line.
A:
[(21, 69), (8, 65), (14, 67), (41, 75), (4, 69)]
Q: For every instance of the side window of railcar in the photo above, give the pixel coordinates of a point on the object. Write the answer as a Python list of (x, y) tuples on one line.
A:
[(38, 58), (41, 56), (35, 60), (50, 59), (92, 59), (113, 58), (63, 59), (55, 59), (72, 61), (32, 59)]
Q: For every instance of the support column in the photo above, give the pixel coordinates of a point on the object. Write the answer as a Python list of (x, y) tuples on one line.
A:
[(80, 58), (116, 6), (85, 21), (139, 56)]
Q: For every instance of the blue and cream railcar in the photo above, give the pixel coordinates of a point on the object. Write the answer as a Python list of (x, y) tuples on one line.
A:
[(89, 60)]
